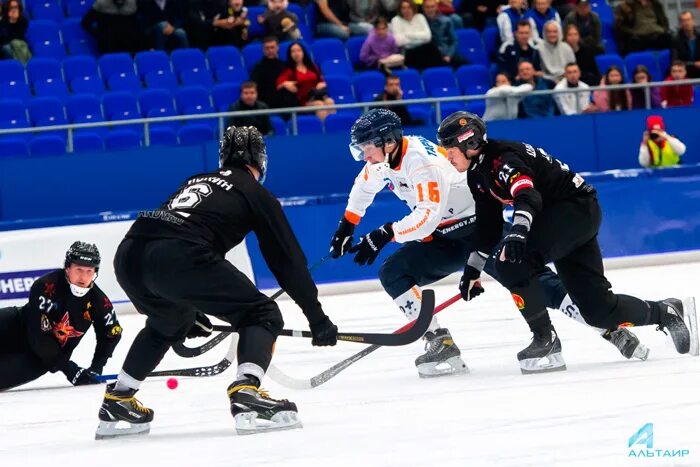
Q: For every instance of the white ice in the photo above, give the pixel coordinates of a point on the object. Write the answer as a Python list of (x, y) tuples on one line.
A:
[(379, 413)]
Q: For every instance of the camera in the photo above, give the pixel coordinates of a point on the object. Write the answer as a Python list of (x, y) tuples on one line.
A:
[(654, 135)]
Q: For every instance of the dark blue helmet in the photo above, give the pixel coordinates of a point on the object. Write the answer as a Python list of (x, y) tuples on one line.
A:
[(378, 126), (243, 145)]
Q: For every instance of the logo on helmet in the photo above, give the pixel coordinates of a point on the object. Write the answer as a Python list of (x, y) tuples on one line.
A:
[(465, 136), (462, 122)]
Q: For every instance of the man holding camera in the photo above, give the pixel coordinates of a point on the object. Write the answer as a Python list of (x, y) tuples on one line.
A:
[(658, 148)]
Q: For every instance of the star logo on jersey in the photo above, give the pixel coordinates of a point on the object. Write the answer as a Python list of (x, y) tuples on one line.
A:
[(49, 289), (63, 330), (106, 303), (86, 315), (519, 302)]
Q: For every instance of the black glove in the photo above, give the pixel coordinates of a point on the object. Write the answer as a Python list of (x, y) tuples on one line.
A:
[(342, 238), (470, 285), (202, 327), (514, 244), (81, 376), (324, 332), (368, 248)]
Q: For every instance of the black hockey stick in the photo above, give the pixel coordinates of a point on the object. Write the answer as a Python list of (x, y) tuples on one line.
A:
[(188, 352), (411, 335), (281, 378)]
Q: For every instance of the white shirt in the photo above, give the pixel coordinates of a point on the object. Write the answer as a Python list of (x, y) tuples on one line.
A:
[(425, 180), (506, 107), (567, 101), (410, 34)]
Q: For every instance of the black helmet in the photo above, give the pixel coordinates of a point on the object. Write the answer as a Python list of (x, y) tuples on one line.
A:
[(378, 126), (463, 130), (243, 145), (83, 254)]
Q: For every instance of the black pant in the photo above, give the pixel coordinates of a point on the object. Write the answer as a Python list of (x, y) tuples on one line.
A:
[(567, 234), (169, 280), (18, 364)]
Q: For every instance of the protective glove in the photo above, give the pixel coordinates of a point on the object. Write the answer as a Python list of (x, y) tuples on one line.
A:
[(342, 238), (470, 285), (324, 332), (81, 376), (202, 327), (514, 244), (369, 246)]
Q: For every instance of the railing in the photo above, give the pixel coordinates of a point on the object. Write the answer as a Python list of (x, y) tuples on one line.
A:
[(437, 101)]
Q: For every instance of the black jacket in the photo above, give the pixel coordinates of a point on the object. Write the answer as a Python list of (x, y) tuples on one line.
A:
[(681, 51), (175, 13), (261, 122)]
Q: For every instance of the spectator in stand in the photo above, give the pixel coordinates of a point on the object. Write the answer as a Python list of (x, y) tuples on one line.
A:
[(265, 74), (393, 92), (302, 78), (218, 22), (555, 54), (687, 44), (541, 13), (677, 96), (13, 28), (585, 56), (249, 101), (447, 9), (114, 25), (481, 13), (512, 53), (658, 148), (612, 100), (642, 75), (333, 18), (508, 19), (573, 103), (641, 25), (362, 14), (412, 33), (588, 24), (443, 35), (163, 21), (280, 22), (534, 106), (502, 100), (564, 7), (380, 50)]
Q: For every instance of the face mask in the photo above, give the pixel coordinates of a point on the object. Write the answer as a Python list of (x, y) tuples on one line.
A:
[(79, 291)]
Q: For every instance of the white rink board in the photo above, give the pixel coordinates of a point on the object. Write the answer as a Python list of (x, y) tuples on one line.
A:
[(379, 413)]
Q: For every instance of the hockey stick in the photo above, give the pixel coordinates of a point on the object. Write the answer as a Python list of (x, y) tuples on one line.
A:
[(281, 378), (412, 334), (188, 352), (196, 371)]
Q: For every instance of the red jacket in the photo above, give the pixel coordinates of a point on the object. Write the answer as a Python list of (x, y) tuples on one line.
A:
[(305, 81), (676, 96)]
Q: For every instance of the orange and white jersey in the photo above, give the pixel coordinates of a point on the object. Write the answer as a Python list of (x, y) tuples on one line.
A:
[(425, 180)]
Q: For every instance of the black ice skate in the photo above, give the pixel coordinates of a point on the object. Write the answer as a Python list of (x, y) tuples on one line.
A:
[(122, 406), (680, 319), (626, 342), (256, 412), (441, 357), (543, 355)]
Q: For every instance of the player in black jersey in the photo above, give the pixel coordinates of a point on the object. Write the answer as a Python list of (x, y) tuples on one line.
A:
[(41, 336), (171, 265), (556, 218)]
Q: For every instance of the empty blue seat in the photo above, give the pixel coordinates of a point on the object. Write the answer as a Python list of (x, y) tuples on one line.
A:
[(473, 79), (161, 80), (47, 145), (368, 85), (230, 75), (83, 108), (158, 112), (121, 139), (45, 111), (13, 146), (118, 64), (339, 87), (354, 45), (198, 76), (307, 125), (13, 114), (471, 47), (80, 67), (604, 10), (87, 141), (339, 122), (47, 9), (605, 61), (226, 63), (151, 99), (14, 90), (193, 133), (49, 49), (252, 54), (648, 59), (87, 85), (195, 100), (336, 67), (77, 8), (51, 89), (11, 70), (187, 59), (72, 30), (43, 32), (83, 47), (440, 81), (225, 94), (491, 38), (151, 60), (120, 106), (664, 59), (124, 82), (328, 48), (279, 125), (410, 82), (609, 45), (44, 70), (162, 136), (255, 29)]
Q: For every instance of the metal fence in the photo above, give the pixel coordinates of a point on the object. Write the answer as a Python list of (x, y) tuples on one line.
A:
[(364, 106)]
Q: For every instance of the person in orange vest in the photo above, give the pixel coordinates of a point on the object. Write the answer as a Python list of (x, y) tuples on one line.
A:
[(658, 148)]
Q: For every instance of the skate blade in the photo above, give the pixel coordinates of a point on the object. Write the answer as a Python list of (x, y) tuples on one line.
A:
[(691, 320), (248, 423), (641, 352), (451, 367), (548, 364), (108, 430)]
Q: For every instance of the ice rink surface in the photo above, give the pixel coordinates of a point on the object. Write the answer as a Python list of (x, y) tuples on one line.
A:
[(379, 413)]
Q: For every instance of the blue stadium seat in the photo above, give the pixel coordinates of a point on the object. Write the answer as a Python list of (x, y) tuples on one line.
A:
[(47, 145), (120, 106), (225, 94), (49, 49), (664, 59), (44, 39), (87, 85), (87, 141), (471, 47), (118, 64), (473, 79), (252, 54), (156, 99), (368, 85), (410, 82), (14, 90), (647, 59), (193, 100), (124, 82), (439, 82), (604, 10), (151, 60), (13, 114), (340, 88), (45, 111), (162, 136), (83, 47), (188, 59), (194, 133), (354, 45), (491, 38), (47, 9), (56, 89), (80, 67), (339, 122), (255, 30), (609, 45), (44, 70), (297, 10), (13, 146), (163, 112), (161, 80), (336, 67), (72, 30), (77, 8), (226, 63), (278, 124), (328, 48), (121, 139), (230, 75), (84, 108), (196, 77), (307, 125), (605, 61)]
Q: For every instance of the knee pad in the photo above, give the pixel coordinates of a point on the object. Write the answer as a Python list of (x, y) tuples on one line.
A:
[(512, 274), (273, 321)]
